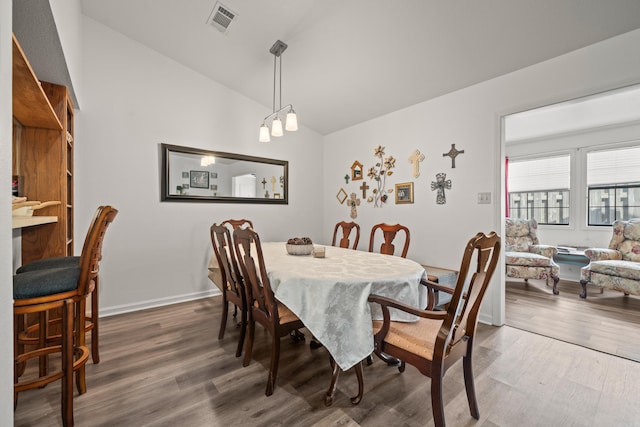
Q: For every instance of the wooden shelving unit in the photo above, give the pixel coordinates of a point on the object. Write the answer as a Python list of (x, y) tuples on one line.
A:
[(43, 158)]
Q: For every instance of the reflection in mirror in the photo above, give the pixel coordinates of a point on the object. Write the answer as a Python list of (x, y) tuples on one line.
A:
[(191, 174)]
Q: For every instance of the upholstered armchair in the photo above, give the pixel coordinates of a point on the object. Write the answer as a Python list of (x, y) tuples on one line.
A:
[(525, 257), (617, 267)]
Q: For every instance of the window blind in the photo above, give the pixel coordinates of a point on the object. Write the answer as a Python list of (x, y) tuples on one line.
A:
[(621, 166), (548, 173)]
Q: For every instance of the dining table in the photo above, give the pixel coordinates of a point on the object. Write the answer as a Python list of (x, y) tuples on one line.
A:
[(329, 294)]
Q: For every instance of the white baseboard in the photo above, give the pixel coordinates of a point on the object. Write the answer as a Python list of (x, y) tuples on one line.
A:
[(143, 305), (485, 318)]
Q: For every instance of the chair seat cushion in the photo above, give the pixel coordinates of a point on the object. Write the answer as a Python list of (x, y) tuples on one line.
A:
[(618, 268), (285, 314), (417, 337), (46, 263), (39, 283), (526, 259)]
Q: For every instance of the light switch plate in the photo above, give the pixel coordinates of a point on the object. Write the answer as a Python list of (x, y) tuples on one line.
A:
[(484, 198)]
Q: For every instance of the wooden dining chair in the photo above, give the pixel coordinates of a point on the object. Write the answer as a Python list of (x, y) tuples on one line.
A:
[(439, 338), (347, 228), (389, 233), (233, 289), (274, 316), (238, 223), (92, 318), (40, 291)]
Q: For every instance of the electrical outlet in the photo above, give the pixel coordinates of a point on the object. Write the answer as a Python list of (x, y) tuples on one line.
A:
[(484, 198)]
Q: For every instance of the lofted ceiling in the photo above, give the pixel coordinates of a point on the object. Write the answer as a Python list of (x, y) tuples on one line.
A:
[(349, 61)]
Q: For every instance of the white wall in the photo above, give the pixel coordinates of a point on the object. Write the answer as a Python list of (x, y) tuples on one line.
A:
[(6, 291), (68, 17), (133, 100), (469, 118)]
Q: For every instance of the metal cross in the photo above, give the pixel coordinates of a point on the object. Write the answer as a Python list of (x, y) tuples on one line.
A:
[(264, 182), (441, 184), (364, 187), (453, 153), (346, 178), (415, 160)]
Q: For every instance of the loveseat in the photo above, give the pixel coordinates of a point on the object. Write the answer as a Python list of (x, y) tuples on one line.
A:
[(617, 267)]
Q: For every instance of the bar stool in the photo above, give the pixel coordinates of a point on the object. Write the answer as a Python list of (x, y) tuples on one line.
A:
[(91, 323), (40, 291)]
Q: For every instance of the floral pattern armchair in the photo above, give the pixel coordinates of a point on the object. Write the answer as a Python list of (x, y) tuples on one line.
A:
[(618, 267), (525, 257)]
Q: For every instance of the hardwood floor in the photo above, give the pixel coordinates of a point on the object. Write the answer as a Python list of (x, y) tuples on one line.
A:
[(166, 367), (608, 321)]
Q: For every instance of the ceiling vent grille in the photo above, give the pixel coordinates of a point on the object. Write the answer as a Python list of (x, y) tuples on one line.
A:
[(221, 17)]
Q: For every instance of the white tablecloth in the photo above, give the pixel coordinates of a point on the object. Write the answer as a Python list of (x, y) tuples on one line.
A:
[(330, 294)]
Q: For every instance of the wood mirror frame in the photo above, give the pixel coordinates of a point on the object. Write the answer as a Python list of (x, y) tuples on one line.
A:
[(229, 177)]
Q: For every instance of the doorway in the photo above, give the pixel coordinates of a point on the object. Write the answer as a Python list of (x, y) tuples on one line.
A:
[(573, 129)]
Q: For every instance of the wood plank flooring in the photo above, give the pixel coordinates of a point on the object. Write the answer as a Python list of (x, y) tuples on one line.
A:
[(608, 322), (166, 367)]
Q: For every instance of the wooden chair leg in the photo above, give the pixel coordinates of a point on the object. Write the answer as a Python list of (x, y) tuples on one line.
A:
[(18, 368), (335, 372), (469, 383), (80, 341), (243, 332), (67, 363), (355, 400), (249, 345), (95, 355), (556, 279), (273, 367), (437, 403), (223, 320), (43, 333), (583, 294)]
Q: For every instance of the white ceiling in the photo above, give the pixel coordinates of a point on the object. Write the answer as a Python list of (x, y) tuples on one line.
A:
[(349, 61)]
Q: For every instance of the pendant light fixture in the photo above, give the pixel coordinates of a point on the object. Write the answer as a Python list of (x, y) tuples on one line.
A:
[(291, 123)]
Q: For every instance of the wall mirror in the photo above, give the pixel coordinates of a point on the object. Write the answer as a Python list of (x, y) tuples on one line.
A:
[(195, 175)]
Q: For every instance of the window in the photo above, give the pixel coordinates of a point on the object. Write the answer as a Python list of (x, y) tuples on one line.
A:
[(539, 189), (613, 185)]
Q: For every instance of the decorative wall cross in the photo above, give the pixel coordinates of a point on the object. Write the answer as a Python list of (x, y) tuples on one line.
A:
[(264, 182), (415, 160), (273, 184), (346, 178), (440, 184), (353, 202), (453, 153), (364, 187)]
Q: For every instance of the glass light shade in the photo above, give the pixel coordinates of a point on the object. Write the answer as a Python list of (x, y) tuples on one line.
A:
[(292, 121), (276, 127), (264, 133)]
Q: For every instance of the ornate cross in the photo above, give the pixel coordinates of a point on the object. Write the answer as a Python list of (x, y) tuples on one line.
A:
[(453, 153), (440, 184), (353, 202), (264, 182), (364, 187), (415, 160), (273, 184)]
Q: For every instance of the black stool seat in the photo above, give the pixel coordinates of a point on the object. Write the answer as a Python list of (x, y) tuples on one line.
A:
[(46, 263), (39, 283)]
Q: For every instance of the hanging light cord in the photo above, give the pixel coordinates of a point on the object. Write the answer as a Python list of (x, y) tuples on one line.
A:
[(280, 83), (274, 85)]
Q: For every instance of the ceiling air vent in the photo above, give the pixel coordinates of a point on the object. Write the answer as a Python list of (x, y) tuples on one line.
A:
[(221, 17)]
